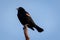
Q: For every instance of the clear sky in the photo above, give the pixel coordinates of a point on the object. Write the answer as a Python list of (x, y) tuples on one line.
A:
[(45, 13)]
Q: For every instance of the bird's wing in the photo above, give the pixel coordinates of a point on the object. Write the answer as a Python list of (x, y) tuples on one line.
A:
[(30, 19)]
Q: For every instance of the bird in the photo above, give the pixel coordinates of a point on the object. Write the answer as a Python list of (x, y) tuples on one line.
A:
[(25, 18)]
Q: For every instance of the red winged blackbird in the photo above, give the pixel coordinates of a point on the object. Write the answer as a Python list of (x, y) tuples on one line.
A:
[(25, 18)]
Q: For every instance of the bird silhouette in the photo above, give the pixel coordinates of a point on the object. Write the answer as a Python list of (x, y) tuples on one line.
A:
[(25, 18)]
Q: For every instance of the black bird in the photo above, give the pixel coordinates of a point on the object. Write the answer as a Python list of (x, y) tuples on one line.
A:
[(25, 18)]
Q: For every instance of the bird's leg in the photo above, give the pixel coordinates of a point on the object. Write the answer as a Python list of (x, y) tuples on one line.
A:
[(26, 32)]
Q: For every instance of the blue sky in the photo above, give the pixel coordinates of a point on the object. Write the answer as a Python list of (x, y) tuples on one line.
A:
[(45, 13)]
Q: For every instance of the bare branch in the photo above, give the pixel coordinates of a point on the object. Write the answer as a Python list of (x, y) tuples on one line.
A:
[(26, 32)]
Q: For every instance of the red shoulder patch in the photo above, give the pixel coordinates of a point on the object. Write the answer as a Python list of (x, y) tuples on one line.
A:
[(27, 14)]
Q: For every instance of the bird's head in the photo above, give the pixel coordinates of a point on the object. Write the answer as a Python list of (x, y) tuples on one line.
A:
[(20, 9)]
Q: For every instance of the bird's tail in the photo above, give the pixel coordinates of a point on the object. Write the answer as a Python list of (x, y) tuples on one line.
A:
[(38, 28)]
